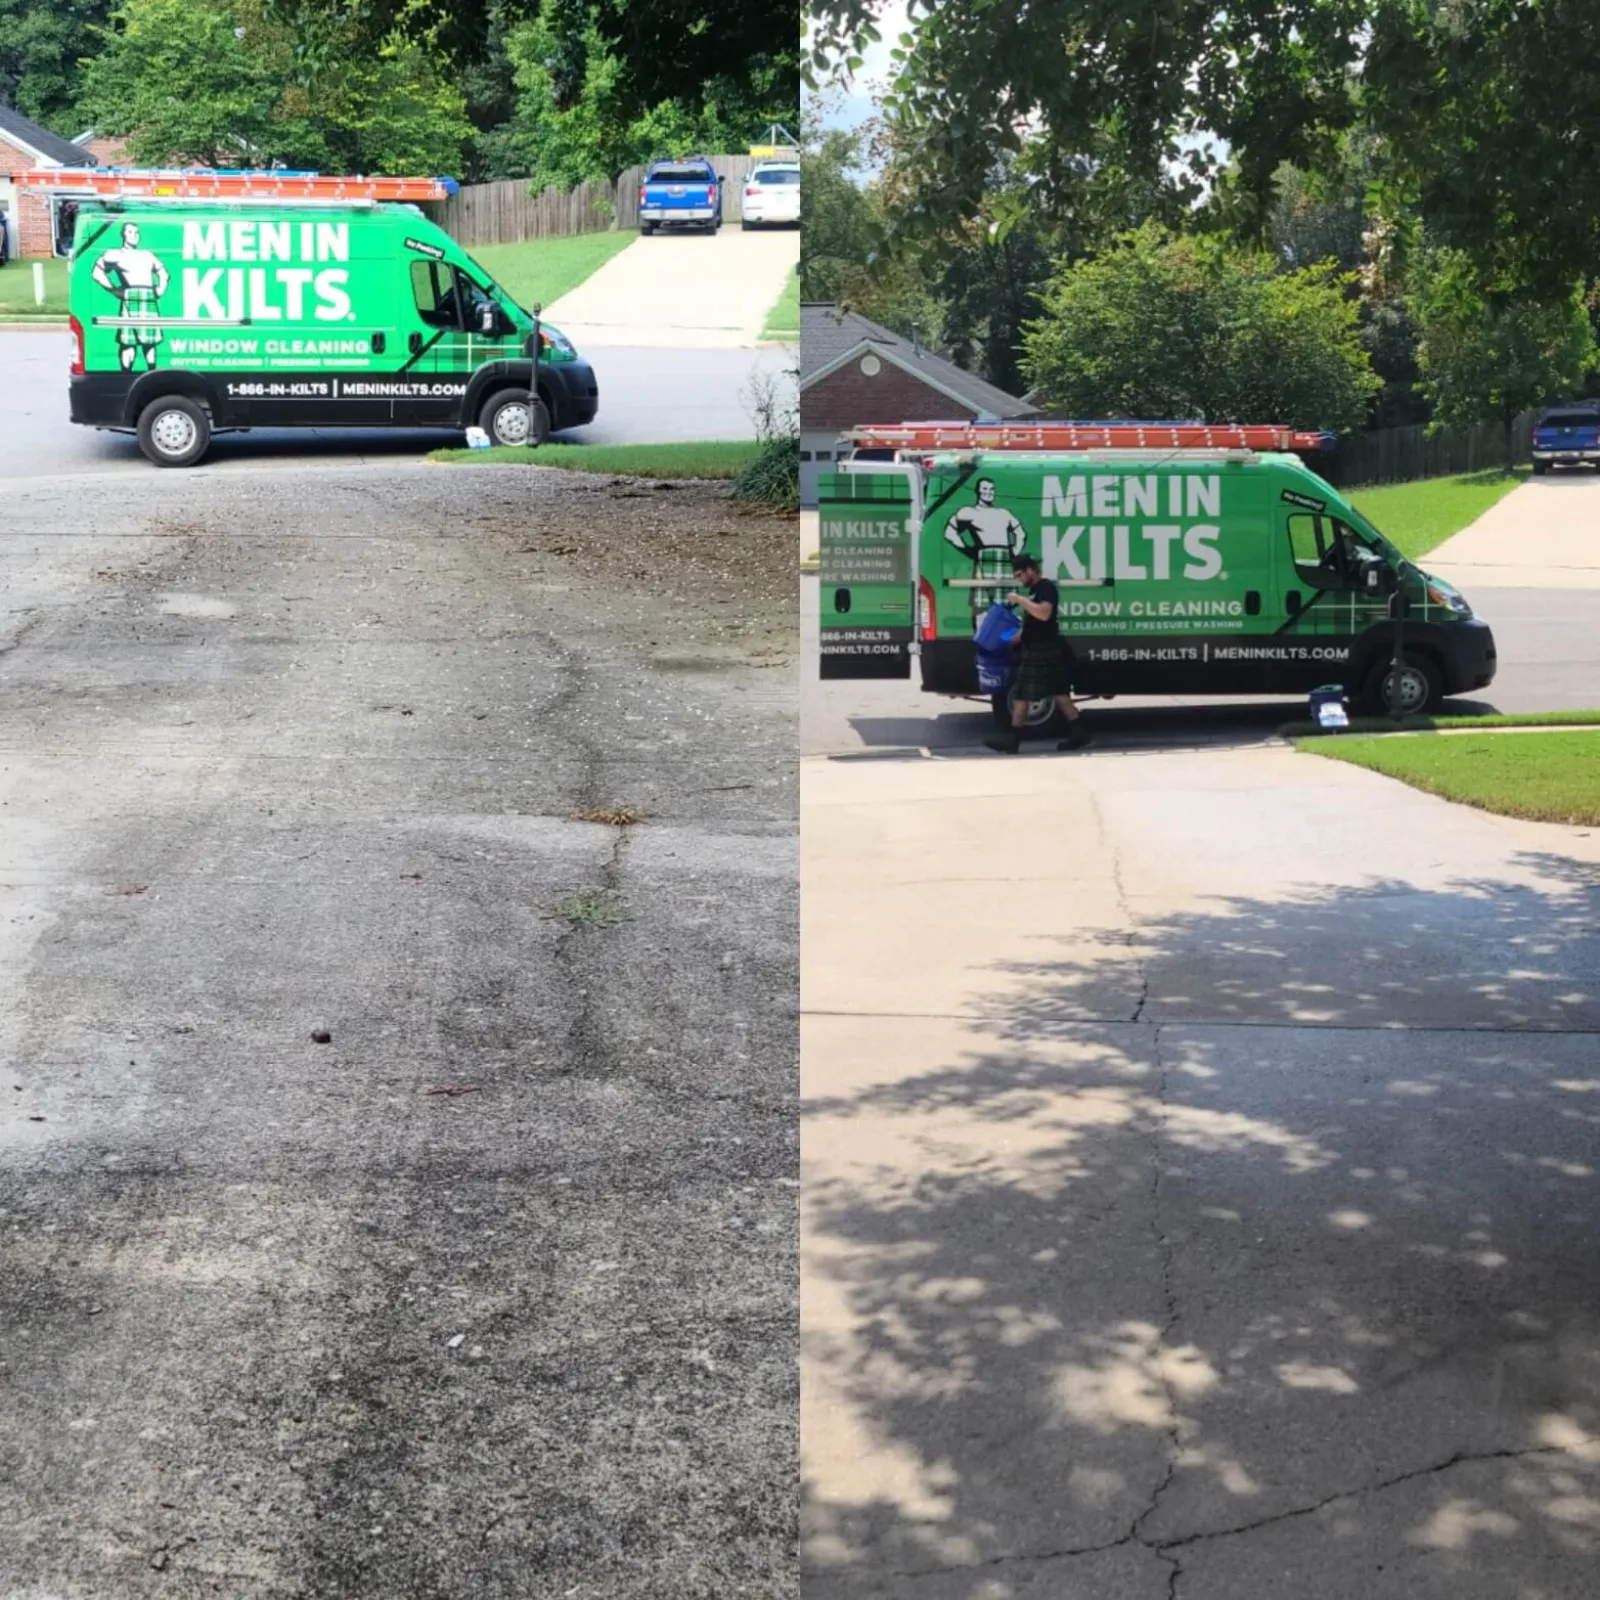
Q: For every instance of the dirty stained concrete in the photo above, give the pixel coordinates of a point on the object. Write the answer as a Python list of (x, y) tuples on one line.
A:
[(489, 778)]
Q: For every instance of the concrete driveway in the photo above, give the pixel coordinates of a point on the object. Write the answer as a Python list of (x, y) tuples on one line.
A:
[(489, 1291), (1543, 535), (687, 291), (1199, 1182)]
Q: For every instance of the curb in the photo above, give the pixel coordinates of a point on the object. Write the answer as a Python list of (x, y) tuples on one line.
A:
[(32, 324)]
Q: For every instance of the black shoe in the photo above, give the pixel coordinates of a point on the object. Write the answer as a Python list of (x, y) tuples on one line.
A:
[(1008, 744), (1077, 737)]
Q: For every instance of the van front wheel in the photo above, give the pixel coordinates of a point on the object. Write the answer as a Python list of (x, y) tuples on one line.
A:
[(1418, 687), (506, 419), (174, 431), (1042, 716)]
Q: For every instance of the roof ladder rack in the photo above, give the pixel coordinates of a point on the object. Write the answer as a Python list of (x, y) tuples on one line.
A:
[(282, 188), (1071, 436)]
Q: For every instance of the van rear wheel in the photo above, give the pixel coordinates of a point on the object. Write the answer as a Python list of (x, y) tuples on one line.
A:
[(506, 418), (1042, 717), (174, 431)]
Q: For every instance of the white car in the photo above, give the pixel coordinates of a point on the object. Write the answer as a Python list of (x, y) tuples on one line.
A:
[(772, 195)]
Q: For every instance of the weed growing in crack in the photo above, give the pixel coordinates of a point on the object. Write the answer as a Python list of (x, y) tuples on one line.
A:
[(590, 907), (610, 816)]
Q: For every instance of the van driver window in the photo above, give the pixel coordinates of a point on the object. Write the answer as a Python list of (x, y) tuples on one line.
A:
[(1324, 549), (433, 284)]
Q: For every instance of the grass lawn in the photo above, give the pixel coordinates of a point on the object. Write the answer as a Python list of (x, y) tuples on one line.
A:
[(1493, 719), (783, 320), (1547, 777), (546, 269), (722, 459), (1418, 516), (16, 289)]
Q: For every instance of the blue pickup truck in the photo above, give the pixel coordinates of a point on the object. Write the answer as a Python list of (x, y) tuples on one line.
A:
[(1567, 436), (681, 194)]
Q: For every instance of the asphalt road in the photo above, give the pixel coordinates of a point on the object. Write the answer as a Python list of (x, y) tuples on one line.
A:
[(491, 1294), (647, 396)]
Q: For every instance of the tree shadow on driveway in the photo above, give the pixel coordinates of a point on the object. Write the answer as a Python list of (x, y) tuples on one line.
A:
[(1283, 1282)]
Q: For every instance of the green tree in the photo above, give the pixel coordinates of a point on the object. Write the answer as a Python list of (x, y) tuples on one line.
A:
[(225, 84), (561, 134), (1490, 112), (1107, 99), (1490, 358), (41, 45), (1172, 327), (843, 259)]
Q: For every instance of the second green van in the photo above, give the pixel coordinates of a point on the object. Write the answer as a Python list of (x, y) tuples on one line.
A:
[(1195, 572)]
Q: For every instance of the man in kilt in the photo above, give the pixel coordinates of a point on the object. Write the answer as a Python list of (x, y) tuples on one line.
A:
[(1041, 661), (138, 279)]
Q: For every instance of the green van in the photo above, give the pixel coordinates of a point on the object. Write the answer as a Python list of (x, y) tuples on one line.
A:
[(1193, 572), (191, 318)]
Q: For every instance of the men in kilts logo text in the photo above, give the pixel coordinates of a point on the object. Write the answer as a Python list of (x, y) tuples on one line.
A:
[(1042, 659), (138, 279)]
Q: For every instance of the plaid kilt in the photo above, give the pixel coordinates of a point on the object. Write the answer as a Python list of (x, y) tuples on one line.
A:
[(141, 303), (1042, 671)]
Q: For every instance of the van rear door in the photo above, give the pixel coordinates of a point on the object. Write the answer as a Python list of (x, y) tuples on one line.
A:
[(867, 605)]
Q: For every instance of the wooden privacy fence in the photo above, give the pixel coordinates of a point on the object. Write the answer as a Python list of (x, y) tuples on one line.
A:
[(1402, 455), (502, 213)]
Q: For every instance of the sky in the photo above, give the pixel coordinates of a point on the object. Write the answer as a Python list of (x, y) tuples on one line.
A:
[(853, 104)]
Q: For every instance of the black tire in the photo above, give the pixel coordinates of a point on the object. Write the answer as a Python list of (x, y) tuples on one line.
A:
[(505, 419), (647, 228), (1540, 468), (1423, 686), (1041, 721), (745, 227), (174, 431)]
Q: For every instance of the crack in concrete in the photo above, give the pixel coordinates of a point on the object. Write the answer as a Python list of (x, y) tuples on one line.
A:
[(1163, 1549)]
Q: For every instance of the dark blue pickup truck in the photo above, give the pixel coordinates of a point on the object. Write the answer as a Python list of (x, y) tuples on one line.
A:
[(1567, 436), (681, 194)]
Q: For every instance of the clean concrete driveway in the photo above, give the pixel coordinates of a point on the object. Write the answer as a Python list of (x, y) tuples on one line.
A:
[(684, 290), (1200, 1185), (647, 396), (1544, 535)]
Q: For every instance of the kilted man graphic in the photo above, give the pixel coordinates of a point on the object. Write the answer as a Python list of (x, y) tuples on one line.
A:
[(987, 534), (138, 279)]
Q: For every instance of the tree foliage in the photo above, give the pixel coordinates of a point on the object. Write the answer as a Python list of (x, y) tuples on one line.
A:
[(1486, 358), (42, 43), (1160, 326), (231, 84), (555, 133)]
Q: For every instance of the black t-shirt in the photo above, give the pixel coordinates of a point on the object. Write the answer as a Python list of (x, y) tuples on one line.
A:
[(1034, 631)]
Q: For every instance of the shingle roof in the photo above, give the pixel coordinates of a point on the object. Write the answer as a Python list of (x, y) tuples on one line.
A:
[(827, 334), (50, 145)]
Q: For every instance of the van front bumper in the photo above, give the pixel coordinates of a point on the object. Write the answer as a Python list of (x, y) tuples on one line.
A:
[(1469, 654), (571, 391)]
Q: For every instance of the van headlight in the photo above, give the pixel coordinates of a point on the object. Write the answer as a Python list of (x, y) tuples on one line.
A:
[(1441, 594), (555, 339)]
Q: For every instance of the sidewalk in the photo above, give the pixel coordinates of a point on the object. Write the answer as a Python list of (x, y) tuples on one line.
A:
[(1198, 1175)]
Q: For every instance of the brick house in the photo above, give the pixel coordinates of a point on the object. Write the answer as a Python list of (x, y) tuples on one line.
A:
[(26, 147), (852, 371)]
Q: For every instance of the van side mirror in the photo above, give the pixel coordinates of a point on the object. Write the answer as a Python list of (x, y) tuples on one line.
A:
[(488, 320)]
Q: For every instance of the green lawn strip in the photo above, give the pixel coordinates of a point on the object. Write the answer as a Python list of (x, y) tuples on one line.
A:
[(720, 459), (783, 320), (1545, 777), (1496, 719), (1416, 517), (16, 290), (546, 269)]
